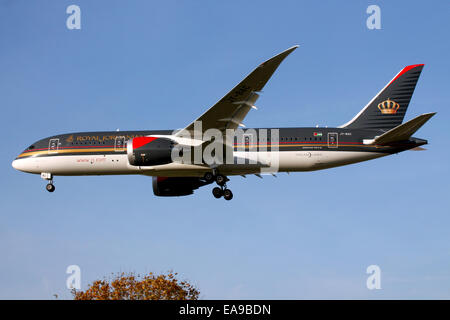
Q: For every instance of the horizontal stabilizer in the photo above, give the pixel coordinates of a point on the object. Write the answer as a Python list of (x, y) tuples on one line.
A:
[(403, 131), (418, 149)]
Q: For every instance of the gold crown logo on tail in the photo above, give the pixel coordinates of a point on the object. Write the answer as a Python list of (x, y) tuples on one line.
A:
[(388, 106)]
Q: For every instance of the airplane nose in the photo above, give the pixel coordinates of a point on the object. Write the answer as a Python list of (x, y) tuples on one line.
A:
[(29, 165), (22, 165), (16, 165)]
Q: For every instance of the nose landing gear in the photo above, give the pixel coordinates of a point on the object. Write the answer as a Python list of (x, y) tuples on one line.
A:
[(49, 177), (50, 187)]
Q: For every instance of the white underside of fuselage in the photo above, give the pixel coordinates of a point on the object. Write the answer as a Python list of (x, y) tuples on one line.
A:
[(285, 161)]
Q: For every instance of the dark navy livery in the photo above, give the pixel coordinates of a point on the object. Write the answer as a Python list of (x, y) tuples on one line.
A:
[(376, 131)]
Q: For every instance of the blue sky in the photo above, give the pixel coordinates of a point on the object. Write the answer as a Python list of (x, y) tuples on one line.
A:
[(160, 64)]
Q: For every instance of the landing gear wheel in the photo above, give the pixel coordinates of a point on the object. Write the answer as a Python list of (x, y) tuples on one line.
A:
[(221, 180), (227, 194), (217, 192), (50, 187), (209, 177)]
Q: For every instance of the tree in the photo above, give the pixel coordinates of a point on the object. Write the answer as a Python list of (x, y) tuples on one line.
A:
[(127, 286)]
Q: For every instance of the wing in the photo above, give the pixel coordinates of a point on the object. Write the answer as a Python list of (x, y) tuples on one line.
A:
[(229, 112)]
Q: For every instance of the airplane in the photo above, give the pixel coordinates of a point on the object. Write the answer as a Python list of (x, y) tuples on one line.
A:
[(376, 131)]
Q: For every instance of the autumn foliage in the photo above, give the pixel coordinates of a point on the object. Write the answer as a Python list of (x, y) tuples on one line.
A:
[(135, 287)]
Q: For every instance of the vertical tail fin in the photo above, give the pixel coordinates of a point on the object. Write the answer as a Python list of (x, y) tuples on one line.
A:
[(388, 108)]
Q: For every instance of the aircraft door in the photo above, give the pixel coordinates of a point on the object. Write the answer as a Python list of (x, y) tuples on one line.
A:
[(247, 141), (250, 140), (119, 144), (53, 145), (332, 140)]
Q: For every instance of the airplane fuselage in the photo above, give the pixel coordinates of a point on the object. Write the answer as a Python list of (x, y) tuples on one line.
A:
[(298, 149)]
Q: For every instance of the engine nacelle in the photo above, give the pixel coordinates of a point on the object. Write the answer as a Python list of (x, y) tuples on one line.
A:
[(149, 151), (176, 186)]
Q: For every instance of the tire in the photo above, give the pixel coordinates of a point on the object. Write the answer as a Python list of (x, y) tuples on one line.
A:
[(227, 194), (220, 179), (50, 187), (209, 177), (217, 192)]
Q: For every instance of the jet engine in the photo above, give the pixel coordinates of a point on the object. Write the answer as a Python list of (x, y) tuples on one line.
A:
[(176, 186), (149, 151)]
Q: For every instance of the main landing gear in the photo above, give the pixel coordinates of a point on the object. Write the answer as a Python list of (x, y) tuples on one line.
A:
[(221, 190), (49, 177)]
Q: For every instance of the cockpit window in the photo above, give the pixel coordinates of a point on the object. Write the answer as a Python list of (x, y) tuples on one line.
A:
[(31, 147)]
